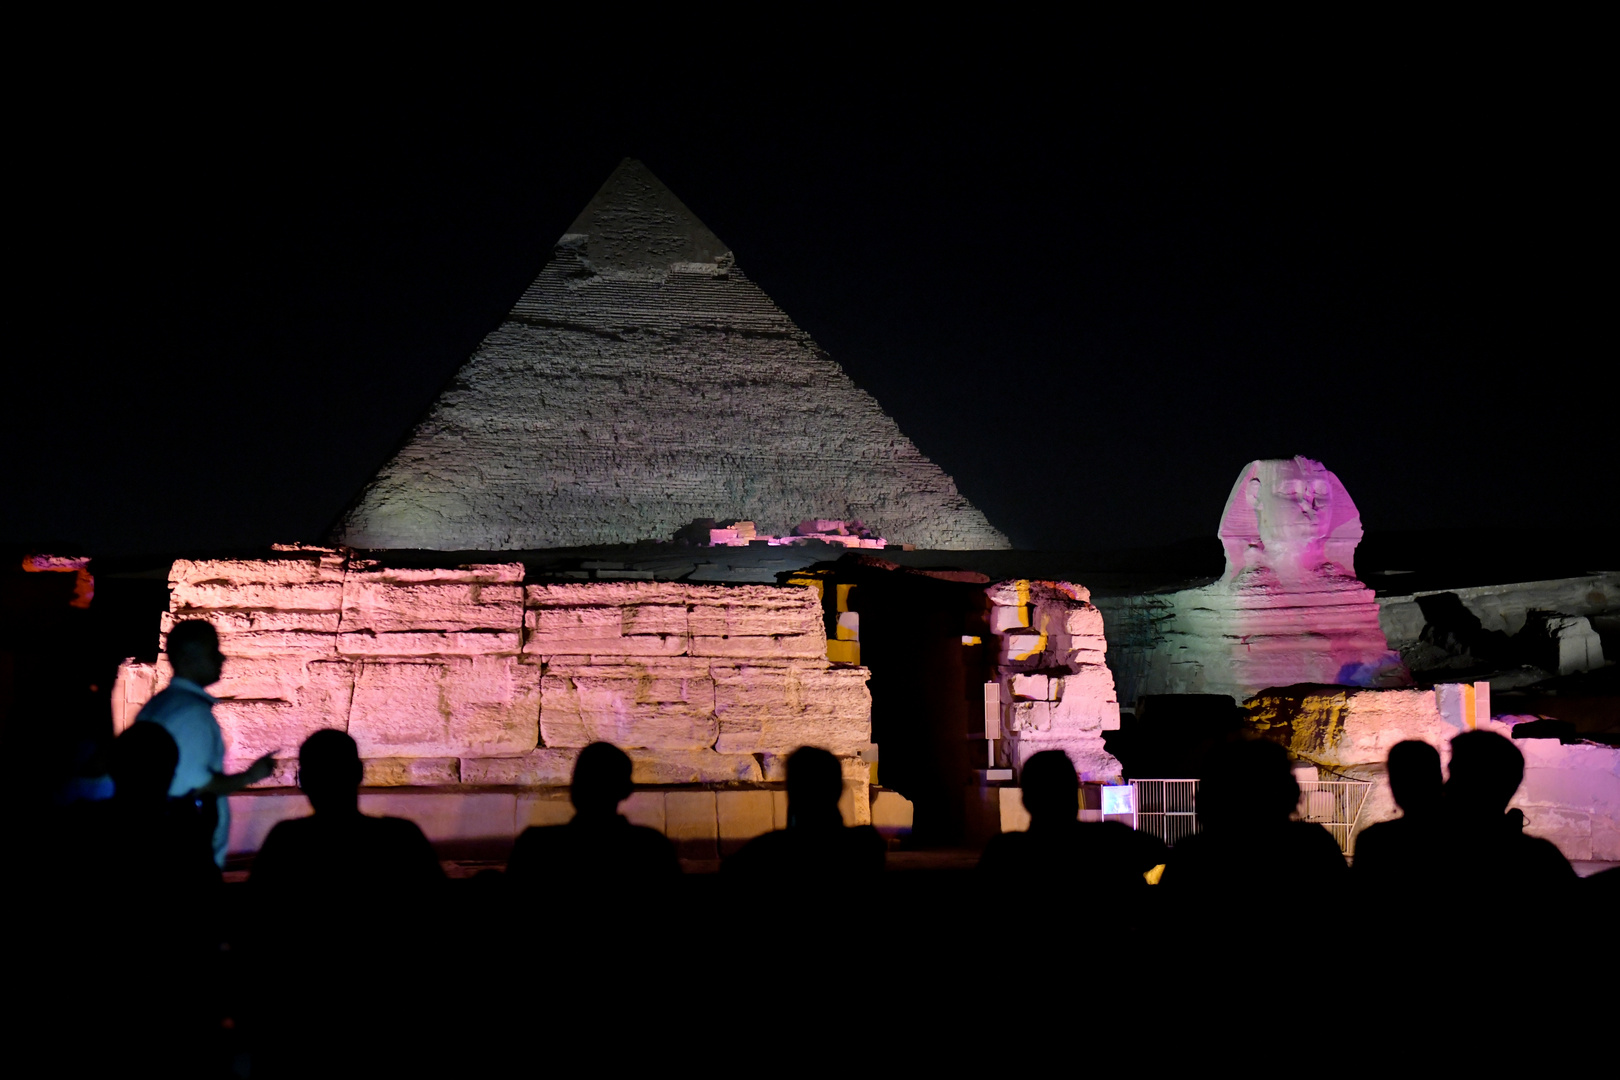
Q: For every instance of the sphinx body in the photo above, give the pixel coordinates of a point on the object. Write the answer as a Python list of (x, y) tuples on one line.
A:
[(1289, 608)]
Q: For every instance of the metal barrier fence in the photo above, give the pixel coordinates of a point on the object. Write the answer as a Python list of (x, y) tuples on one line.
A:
[(1168, 808)]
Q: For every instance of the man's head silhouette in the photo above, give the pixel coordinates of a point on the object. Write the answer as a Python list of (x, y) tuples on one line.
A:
[(815, 781), (1486, 769), (330, 771), (1247, 784), (1414, 776), (1051, 788), (142, 763), (601, 780), (193, 649)]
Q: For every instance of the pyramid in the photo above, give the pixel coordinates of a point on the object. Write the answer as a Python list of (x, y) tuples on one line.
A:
[(642, 383)]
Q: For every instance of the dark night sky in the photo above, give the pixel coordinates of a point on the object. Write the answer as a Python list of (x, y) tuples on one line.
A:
[(1090, 295)]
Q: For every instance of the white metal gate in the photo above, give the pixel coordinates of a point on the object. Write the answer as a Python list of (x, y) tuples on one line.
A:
[(1168, 809)]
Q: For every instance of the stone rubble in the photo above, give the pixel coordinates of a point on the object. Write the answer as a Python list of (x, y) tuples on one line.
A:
[(1056, 691)]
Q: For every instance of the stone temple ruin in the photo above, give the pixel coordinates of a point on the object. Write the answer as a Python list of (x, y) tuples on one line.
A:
[(643, 382), (643, 389)]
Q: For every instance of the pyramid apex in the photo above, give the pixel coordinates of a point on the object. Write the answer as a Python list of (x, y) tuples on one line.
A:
[(636, 224)]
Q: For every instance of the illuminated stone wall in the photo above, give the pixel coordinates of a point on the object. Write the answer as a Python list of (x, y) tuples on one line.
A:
[(1570, 794), (641, 383), (467, 676)]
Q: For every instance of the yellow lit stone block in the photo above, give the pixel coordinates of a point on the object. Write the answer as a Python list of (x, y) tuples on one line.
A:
[(844, 652), (843, 597)]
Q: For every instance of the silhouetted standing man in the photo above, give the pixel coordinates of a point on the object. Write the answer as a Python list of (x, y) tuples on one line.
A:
[(186, 711)]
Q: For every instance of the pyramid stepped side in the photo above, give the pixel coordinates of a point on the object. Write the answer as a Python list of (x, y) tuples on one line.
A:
[(618, 403)]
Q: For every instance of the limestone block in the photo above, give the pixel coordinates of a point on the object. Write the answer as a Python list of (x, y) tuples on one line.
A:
[(691, 823), (776, 709), (366, 644), (779, 809), (381, 606), (892, 813), (855, 803), (693, 767), (601, 630), (253, 727), (543, 808), (269, 678), (849, 626), (742, 815), (784, 647), (133, 686), (666, 705), (754, 611), (1083, 622), (641, 619), (473, 706), (1032, 687), (645, 808), (844, 652), (311, 566), (475, 574), (187, 597), (546, 766), (1022, 644), (1030, 716), (412, 772), (300, 629), (1003, 619), (1568, 827), (1091, 758)]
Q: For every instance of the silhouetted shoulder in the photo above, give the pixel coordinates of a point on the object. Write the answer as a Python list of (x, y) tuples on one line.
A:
[(858, 851), (581, 852), (346, 851)]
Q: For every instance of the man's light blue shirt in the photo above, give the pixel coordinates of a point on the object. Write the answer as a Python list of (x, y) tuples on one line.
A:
[(186, 711)]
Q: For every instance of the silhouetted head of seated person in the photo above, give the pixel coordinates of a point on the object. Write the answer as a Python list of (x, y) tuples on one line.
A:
[(1486, 769), (816, 846), (815, 781), (193, 649), (330, 771), (1051, 790), (338, 847), (599, 847), (1249, 846), (601, 782), (1247, 785), (1414, 777), (142, 764)]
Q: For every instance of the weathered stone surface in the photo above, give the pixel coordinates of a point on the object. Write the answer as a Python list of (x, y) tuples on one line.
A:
[(545, 808), (320, 699), (482, 706), (656, 705), (693, 767), (777, 709), (595, 630), (412, 772), (628, 395), (547, 766), (368, 644), (383, 606)]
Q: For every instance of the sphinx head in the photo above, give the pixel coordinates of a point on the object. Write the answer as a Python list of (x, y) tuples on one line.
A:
[(1292, 517)]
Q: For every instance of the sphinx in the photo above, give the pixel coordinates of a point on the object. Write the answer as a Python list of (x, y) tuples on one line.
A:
[(1289, 608)]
